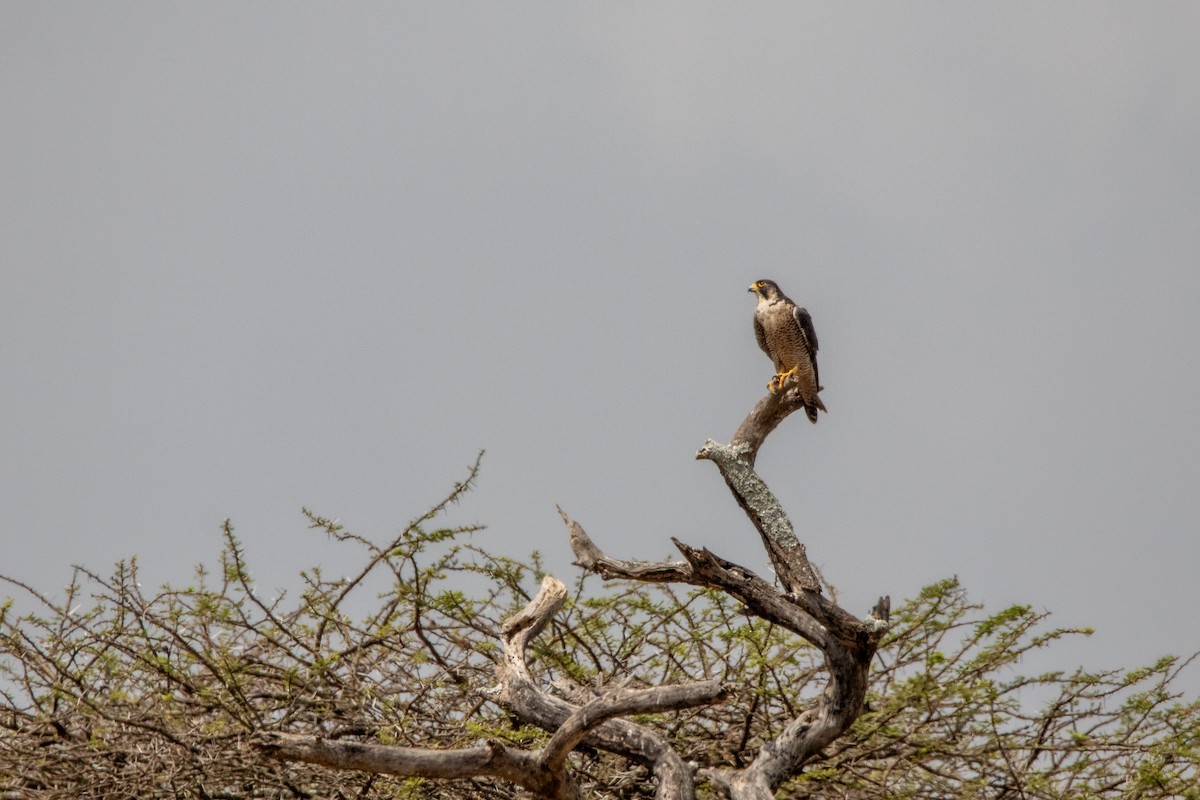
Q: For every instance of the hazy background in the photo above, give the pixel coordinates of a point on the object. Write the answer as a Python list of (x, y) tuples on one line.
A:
[(259, 256)]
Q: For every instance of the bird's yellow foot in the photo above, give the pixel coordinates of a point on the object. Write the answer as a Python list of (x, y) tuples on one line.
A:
[(777, 383)]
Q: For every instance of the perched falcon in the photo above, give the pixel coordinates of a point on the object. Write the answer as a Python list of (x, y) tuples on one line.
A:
[(785, 333)]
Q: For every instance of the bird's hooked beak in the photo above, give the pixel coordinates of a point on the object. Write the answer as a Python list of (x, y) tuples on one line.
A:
[(753, 288)]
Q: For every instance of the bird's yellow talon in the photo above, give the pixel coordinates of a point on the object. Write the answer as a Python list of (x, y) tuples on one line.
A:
[(777, 384)]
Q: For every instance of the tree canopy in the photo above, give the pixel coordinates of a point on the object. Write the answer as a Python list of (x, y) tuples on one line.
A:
[(114, 690)]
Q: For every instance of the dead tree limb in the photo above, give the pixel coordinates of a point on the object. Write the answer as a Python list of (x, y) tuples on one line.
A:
[(543, 771), (490, 759), (765, 417), (847, 642), (636, 742)]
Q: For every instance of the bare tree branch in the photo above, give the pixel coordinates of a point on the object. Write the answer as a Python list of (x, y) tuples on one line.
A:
[(490, 759), (544, 770), (529, 703), (765, 417), (702, 568), (847, 642), (787, 553), (579, 725)]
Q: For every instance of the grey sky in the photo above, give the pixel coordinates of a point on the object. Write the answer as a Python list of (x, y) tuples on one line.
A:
[(259, 256)]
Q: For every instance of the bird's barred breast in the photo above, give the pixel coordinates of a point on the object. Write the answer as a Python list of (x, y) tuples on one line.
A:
[(785, 339)]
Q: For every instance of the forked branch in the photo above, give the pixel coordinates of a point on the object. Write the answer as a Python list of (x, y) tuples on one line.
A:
[(543, 771), (847, 642)]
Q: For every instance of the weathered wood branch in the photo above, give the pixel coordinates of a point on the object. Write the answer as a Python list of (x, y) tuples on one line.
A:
[(490, 759), (703, 568), (847, 642), (736, 464), (785, 550), (543, 771), (576, 728), (638, 743), (765, 417)]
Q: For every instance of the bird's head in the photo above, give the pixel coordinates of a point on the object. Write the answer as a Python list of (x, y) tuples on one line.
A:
[(767, 290)]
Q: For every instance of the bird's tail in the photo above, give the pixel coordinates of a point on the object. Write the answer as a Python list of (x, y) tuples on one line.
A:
[(811, 408)]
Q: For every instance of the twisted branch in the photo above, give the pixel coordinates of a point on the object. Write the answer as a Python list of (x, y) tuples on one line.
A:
[(543, 771)]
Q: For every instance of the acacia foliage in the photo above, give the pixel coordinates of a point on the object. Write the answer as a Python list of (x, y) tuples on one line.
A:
[(114, 691)]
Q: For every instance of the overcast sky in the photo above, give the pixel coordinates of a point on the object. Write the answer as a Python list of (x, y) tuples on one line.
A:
[(259, 256)]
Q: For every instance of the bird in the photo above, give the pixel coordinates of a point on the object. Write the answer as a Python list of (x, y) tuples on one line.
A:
[(785, 333)]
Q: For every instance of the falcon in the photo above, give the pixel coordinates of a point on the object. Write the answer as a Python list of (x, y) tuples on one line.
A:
[(785, 333)]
